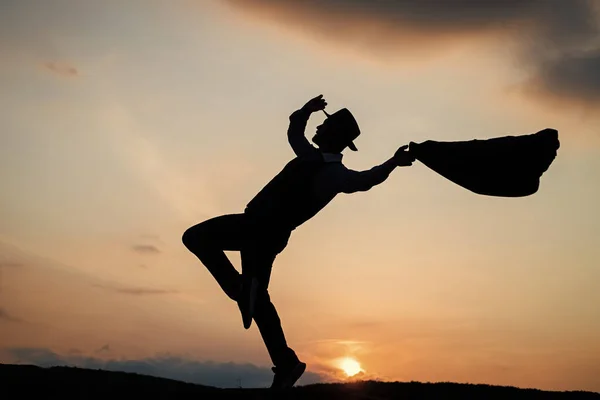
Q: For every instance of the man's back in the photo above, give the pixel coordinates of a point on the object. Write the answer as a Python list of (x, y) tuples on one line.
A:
[(290, 199)]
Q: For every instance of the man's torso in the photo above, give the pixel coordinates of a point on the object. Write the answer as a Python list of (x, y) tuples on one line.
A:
[(303, 188)]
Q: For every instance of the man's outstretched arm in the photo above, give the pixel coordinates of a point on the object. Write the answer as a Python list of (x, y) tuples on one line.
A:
[(298, 121), (360, 181)]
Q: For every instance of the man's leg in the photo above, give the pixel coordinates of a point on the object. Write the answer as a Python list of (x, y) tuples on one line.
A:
[(288, 368), (269, 325), (257, 262), (209, 239)]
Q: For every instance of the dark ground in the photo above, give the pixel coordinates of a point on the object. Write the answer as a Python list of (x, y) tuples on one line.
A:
[(20, 381)]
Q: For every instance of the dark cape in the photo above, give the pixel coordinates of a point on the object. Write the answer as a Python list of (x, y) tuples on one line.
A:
[(509, 166)]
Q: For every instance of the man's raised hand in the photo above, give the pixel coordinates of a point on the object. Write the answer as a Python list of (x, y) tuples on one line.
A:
[(316, 104), (403, 157)]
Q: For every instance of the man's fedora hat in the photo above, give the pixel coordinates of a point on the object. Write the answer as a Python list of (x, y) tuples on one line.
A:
[(346, 126)]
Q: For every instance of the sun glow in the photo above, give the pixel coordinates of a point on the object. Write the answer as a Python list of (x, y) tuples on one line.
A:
[(350, 366)]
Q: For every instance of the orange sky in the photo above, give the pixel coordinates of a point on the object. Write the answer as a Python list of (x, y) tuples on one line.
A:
[(123, 124)]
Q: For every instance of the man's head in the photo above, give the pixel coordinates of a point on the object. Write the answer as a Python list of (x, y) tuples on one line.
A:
[(337, 132)]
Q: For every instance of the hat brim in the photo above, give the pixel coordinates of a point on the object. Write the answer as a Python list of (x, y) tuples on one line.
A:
[(352, 146)]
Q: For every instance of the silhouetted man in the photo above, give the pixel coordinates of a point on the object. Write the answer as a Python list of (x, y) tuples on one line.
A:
[(306, 185)]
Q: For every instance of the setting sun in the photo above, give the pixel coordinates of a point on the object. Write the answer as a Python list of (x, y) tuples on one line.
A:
[(350, 366)]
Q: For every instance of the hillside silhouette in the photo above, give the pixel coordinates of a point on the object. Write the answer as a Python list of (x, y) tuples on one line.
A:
[(78, 383)]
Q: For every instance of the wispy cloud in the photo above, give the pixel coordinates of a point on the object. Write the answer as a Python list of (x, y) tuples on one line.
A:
[(187, 197), (145, 248), (61, 69), (137, 291), (574, 75), (559, 41), (11, 264), (5, 316), (200, 372), (103, 349), (151, 238)]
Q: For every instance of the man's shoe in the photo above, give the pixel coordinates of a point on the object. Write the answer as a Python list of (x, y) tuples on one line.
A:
[(286, 377), (247, 300)]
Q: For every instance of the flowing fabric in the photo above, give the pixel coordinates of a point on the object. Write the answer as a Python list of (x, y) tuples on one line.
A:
[(509, 166)]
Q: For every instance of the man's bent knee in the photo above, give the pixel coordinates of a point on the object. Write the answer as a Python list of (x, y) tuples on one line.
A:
[(195, 237)]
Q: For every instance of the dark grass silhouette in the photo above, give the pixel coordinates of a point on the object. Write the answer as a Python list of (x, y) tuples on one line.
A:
[(21, 381)]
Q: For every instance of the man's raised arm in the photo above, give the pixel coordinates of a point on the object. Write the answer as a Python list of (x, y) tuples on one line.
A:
[(298, 121)]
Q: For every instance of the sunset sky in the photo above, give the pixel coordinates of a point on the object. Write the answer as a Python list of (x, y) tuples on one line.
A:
[(122, 123)]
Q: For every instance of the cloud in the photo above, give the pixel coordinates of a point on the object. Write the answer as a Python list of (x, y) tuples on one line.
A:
[(209, 373), (103, 349), (61, 69), (558, 41), (145, 248), (151, 236), (138, 291), (5, 316), (440, 16), (11, 264), (573, 76)]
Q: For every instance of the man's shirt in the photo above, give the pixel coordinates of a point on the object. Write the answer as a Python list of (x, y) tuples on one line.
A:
[(335, 177)]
